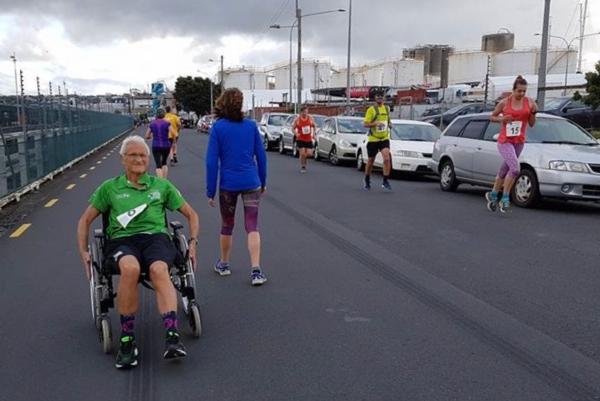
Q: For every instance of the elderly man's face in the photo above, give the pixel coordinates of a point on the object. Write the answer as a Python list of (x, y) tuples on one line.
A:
[(136, 159)]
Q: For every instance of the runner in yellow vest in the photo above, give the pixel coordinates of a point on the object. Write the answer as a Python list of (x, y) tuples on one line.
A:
[(377, 119), (173, 132)]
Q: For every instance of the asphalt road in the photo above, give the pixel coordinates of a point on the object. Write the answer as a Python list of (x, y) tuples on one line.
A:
[(410, 295)]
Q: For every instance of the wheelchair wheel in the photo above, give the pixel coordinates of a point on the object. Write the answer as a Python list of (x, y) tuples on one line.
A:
[(195, 320), (95, 287), (106, 335)]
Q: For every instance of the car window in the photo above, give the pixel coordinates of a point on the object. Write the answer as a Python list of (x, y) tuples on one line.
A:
[(456, 126), (474, 129), (575, 104), (327, 126), (415, 132), (550, 130), (351, 126), (491, 130), (277, 120)]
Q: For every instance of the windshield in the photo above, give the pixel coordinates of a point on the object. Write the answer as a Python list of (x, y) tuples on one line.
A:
[(319, 120), (351, 126), (553, 104), (455, 109), (415, 132), (278, 120), (548, 130)]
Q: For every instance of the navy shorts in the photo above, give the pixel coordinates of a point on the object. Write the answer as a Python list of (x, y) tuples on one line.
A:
[(146, 248)]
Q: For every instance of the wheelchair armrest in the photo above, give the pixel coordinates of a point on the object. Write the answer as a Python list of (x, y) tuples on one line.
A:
[(175, 225), (98, 233)]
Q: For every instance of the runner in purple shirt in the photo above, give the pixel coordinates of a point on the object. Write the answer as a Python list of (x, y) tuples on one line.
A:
[(158, 131)]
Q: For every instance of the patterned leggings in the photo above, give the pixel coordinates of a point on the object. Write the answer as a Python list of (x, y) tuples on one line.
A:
[(510, 152), (228, 202)]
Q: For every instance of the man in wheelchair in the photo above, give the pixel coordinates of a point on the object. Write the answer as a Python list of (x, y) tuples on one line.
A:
[(139, 244)]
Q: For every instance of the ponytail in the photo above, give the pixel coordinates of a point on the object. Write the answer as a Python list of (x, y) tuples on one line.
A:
[(519, 81)]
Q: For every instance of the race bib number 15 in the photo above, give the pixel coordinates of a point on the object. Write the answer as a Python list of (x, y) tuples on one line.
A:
[(514, 129)]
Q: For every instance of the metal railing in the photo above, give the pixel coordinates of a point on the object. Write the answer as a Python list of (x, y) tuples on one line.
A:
[(39, 140)]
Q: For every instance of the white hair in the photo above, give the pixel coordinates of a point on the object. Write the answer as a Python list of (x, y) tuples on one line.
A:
[(133, 139)]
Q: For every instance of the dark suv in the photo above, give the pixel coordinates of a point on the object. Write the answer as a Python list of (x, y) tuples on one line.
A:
[(460, 110), (574, 110)]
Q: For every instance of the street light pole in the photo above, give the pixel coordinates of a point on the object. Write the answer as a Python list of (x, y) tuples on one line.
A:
[(13, 57), (299, 66), (541, 93), (222, 76), (349, 49)]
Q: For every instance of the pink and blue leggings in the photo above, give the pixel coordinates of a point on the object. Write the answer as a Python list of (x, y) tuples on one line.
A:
[(510, 153)]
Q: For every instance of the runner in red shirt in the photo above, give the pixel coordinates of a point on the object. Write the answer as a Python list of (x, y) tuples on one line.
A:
[(514, 114), (304, 128)]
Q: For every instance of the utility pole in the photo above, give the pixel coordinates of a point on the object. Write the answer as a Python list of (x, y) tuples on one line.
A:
[(222, 75), (299, 72), (13, 57), (349, 49), (541, 93), (582, 20)]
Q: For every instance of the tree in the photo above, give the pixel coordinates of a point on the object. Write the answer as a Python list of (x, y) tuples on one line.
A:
[(194, 94), (592, 88)]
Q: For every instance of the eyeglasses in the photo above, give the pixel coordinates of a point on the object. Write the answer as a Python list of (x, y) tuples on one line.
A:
[(137, 155)]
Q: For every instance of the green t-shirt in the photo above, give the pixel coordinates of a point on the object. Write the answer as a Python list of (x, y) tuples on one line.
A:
[(136, 211), (382, 131)]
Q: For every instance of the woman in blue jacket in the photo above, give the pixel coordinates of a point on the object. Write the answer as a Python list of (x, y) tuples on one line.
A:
[(236, 158)]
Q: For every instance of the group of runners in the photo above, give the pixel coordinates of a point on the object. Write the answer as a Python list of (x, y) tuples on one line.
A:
[(135, 202), (164, 134), (514, 113)]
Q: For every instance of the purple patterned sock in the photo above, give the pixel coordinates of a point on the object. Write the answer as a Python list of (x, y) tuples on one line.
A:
[(170, 321), (127, 325)]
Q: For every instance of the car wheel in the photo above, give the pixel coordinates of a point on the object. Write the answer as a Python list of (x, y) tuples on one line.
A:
[(266, 144), (333, 156), (281, 146), (526, 190), (360, 161), (448, 181), (316, 155)]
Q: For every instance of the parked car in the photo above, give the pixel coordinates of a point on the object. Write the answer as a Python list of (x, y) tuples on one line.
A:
[(560, 159), (270, 127), (460, 110), (434, 111), (205, 124), (338, 138), (574, 110), (411, 147), (288, 136)]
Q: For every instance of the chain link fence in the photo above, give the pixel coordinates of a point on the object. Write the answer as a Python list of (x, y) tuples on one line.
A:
[(39, 140)]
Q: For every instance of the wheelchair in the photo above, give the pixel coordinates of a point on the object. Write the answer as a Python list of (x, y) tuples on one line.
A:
[(102, 294)]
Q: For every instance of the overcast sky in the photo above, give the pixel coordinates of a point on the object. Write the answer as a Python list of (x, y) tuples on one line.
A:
[(110, 46)]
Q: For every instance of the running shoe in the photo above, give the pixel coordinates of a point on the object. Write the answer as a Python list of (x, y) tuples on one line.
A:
[(258, 277), (222, 268), (174, 348), (504, 206), (303, 169), (128, 353), (386, 185), (367, 184), (492, 203), (175, 159)]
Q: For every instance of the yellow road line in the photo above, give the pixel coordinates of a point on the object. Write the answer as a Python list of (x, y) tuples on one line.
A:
[(92, 168), (83, 176), (19, 231), (71, 186), (51, 203)]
